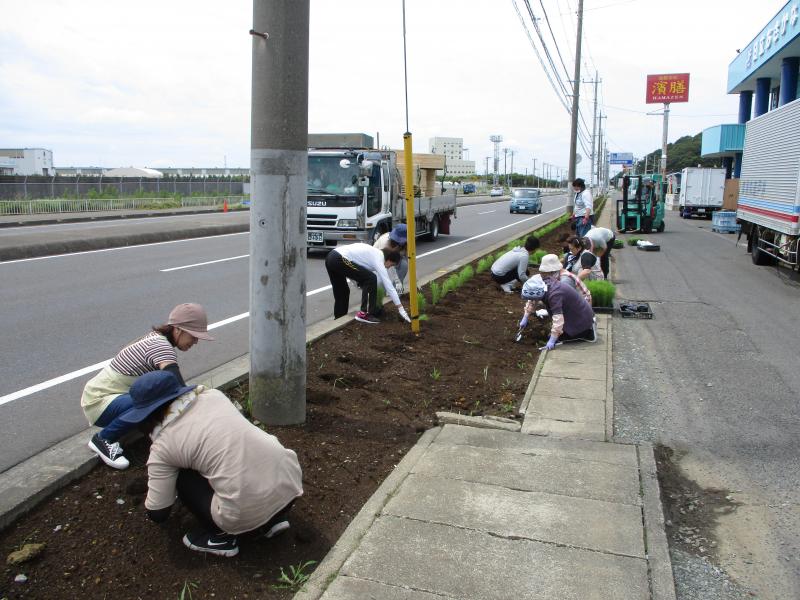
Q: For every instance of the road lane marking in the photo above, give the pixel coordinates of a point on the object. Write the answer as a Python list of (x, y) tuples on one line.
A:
[(207, 237), (96, 367), (208, 262), (487, 212)]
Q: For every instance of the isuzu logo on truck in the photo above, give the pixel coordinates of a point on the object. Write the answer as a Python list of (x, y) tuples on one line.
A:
[(317, 203)]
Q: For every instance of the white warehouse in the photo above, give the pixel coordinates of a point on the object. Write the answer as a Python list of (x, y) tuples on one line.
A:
[(27, 161)]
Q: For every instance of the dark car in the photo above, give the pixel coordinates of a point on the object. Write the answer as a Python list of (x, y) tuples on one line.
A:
[(469, 188), (528, 200)]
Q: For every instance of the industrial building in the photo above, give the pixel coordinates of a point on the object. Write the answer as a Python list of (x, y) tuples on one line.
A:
[(26, 161), (453, 150)]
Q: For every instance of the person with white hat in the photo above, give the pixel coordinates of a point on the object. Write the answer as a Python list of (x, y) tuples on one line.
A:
[(572, 316), (396, 240), (552, 267), (233, 476), (105, 399)]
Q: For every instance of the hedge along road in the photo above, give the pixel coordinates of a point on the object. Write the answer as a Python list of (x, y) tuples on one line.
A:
[(64, 316)]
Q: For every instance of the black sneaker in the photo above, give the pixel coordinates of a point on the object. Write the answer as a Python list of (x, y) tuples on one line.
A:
[(363, 317), (110, 453), (277, 529), (221, 543)]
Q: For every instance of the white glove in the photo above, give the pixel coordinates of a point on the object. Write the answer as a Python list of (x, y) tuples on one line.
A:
[(542, 313), (404, 314)]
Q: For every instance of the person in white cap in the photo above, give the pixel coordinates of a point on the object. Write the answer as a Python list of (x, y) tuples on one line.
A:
[(573, 318), (396, 240), (552, 267), (105, 399)]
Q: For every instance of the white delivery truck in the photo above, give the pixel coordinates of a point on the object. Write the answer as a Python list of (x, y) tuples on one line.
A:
[(702, 192), (769, 187), (355, 193)]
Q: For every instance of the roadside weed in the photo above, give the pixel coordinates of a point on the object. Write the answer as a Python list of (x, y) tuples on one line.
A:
[(295, 578)]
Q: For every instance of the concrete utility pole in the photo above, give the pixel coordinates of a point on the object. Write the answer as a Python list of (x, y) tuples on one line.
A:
[(505, 166), (511, 174), (535, 184), (573, 134), (278, 163), (594, 131), (496, 139), (664, 143)]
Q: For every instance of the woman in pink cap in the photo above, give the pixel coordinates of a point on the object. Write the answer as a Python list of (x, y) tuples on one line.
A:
[(105, 398)]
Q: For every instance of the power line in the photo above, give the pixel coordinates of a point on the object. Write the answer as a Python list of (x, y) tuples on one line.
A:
[(552, 35), (535, 23)]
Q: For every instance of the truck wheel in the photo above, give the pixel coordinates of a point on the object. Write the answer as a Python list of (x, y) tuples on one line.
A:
[(433, 234), (760, 258)]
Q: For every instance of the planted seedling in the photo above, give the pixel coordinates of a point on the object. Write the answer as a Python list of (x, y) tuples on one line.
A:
[(295, 578), (632, 241), (485, 373), (436, 293), (436, 374), (186, 592)]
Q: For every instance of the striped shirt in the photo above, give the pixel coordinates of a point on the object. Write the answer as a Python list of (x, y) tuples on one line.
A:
[(144, 355)]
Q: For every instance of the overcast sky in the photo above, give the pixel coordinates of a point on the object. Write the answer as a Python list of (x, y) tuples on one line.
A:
[(168, 83)]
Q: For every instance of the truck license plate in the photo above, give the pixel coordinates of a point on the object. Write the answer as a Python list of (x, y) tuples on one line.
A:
[(701, 210), (315, 237)]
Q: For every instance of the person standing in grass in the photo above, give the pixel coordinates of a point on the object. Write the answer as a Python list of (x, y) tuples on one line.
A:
[(105, 399), (583, 207), (232, 476), (512, 267), (363, 264)]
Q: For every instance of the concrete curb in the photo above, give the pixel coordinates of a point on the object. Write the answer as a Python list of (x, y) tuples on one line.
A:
[(115, 241), (328, 569), (659, 564), (94, 217), (451, 418)]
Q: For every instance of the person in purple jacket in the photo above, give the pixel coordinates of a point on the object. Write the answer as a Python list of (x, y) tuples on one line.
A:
[(573, 318)]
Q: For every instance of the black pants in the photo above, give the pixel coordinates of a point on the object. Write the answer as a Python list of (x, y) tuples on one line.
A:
[(512, 275), (339, 271), (605, 260), (196, 492)]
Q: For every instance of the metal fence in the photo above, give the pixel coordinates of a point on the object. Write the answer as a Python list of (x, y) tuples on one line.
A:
[(65, 205), (39, 187)]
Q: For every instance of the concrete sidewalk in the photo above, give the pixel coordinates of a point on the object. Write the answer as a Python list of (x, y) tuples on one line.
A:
[(474, 513)]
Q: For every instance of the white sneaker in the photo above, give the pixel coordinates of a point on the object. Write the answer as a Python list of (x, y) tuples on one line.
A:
[(277, 529), (507, 288)]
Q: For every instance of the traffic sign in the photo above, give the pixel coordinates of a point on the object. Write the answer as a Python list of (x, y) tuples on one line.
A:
[(620, 158)]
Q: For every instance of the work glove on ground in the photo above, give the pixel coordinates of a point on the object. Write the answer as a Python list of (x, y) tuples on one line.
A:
[(403, 314), (551, 343)]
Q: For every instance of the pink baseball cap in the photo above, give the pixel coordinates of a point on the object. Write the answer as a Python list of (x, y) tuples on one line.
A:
[(192, 319)]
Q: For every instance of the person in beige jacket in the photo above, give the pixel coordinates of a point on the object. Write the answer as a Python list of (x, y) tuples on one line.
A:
[(234, 477)]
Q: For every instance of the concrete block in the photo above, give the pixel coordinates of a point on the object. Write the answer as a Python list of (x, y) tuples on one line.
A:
[(553, 428), (533, 472), (571, 388), (431, 558), (445, 418), (573, 450), (567, 409), (352, 588), (563, 520), (556, 366)]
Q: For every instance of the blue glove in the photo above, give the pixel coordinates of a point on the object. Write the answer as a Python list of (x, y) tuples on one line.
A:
[(523, 322), (551, 343)]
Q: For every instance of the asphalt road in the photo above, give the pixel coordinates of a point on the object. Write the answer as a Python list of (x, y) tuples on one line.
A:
[(63, 315), (714, 376)]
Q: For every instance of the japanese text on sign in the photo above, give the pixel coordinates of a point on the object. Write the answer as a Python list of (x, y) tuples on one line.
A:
[(672, 87)]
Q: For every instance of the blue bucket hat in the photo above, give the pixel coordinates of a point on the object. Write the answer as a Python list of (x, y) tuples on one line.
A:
[(399, 234), (534, 288), (151, 391)]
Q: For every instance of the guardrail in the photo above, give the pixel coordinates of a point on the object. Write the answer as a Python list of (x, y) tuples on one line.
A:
[(68, 205)]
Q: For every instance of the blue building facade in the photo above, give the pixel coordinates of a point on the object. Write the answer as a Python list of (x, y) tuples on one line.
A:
[(765, 75)]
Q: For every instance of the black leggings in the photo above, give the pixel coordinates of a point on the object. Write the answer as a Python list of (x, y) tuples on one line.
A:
[(196, 492), (605, 260), (340, 270)]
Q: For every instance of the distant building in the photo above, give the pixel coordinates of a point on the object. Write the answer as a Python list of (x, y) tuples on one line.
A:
[(453, 151), (194, 172), (133, 172), (26, 161)]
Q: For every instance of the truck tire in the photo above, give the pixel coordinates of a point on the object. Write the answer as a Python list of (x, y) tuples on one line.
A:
[(760, 258), (433, 233)]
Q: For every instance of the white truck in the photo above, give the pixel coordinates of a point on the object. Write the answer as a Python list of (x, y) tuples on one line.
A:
[(702, 192), (769, 186), (355, 193)]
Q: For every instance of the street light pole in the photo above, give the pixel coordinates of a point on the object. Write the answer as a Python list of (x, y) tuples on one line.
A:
[(573, 134)]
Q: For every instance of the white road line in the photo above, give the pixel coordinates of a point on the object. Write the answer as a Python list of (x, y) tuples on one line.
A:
[(96, 367), (208, 237), (209, 262), (487, 212)]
